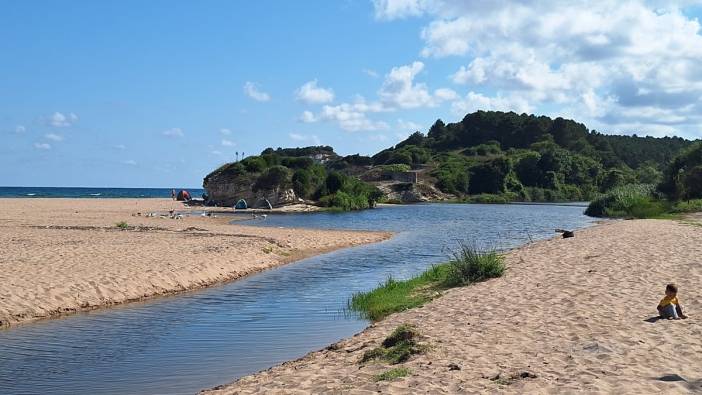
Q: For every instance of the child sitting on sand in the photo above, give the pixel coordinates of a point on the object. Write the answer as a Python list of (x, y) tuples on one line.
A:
[(669, 307)]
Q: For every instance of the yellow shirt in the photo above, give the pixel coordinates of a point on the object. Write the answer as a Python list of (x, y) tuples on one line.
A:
[(669, 300)]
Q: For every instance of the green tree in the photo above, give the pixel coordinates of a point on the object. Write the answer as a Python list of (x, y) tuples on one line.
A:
[(334, 182)]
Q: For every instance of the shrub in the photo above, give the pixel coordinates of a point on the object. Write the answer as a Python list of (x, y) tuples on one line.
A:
[(688, 206), (122, 225), (472, 264), (633, 200)]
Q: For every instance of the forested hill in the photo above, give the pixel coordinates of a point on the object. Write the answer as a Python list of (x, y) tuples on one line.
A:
[(530, 157), (487, 157)]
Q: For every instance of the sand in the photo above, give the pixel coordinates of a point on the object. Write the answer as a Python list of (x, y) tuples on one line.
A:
[(60, 256), (569, 315)]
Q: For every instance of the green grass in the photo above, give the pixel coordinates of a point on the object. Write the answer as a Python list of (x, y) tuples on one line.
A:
[(469, 265), (393, 374), (398, 347), (122, 225)]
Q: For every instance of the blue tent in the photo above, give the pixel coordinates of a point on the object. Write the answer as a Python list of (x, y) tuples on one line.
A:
[(241, 205)]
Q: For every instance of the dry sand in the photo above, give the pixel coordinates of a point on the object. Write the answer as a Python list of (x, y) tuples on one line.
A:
[(59, 256), (578, 314)]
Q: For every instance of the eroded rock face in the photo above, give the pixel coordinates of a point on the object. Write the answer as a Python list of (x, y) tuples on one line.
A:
[(227, 193)]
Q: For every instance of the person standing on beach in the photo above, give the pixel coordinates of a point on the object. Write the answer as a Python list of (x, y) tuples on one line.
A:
[(173, 195)]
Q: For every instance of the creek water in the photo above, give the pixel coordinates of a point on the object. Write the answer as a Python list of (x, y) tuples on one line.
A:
[(197, 340)]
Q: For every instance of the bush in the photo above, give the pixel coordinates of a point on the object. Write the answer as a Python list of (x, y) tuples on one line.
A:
[(122, 225), (488, 198), (472, 264), (687, 206), (633, 200)]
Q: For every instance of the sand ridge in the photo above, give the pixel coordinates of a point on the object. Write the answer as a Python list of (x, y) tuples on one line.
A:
[(570, 315), (59, 256)]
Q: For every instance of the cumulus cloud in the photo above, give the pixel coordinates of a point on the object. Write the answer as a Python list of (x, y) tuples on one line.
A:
[(60, 120), (174, 132), (400, 90), (42, 146), (311, 139), (312, 94), (130, 162), (20, 129), (352, 117), (252, 90), (612, 64), (225, 132), (53, 137), (227, 143)]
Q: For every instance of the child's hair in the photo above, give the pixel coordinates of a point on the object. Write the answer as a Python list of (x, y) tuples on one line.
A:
[(671, 288)]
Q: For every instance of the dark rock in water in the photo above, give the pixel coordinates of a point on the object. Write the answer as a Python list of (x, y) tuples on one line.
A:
[(453, 366)]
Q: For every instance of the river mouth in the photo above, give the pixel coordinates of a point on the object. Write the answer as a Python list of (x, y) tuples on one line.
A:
[(184, 343)]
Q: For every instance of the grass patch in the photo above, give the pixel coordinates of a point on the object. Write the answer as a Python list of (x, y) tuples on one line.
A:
[(122, 225), (470, 264), (396, 348), (393, 374)]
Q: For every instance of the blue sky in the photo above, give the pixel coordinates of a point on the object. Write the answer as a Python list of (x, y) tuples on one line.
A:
[(158, 93)]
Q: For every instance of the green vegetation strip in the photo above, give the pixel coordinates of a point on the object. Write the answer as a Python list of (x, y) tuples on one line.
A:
[(469, 265), (393, 374)]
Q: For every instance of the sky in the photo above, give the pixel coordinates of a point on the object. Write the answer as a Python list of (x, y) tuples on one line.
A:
[(159, 93)]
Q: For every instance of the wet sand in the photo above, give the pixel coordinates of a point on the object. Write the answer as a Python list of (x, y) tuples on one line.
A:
[(570, 315), (60, 256)]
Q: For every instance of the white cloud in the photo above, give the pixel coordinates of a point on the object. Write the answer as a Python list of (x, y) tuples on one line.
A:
[(130, 162), (225, 132), (227, 143), (120, 146), (20, 129), (60, 120), (400, 90), (408, 126), (313, 139), (308, 117), (174, 132), (312, 94), (352, 117), (607, 63), (53, 137), (252, 91), (215, 152), (395, 9), (371, 73), (42, 146), (473, 101)]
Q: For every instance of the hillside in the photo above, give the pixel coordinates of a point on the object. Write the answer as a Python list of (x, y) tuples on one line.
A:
[(488, 156)]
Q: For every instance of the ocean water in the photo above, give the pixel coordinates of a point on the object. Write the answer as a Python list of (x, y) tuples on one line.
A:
[(197, 340), (79, 192)]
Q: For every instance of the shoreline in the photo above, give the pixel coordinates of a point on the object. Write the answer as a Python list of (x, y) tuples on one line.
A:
[(64, 256), (546, 329)]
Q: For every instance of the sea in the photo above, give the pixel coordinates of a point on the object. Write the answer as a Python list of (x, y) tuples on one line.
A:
[(89, 192)]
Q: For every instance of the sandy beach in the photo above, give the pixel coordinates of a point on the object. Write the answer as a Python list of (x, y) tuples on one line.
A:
[(59, 256), (569, 315)]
